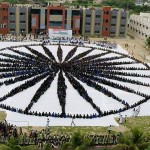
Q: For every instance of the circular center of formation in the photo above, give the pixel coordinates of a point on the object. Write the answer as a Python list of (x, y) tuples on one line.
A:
[(87, 70)]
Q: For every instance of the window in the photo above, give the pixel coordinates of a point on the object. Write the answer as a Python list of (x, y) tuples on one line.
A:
[(4, 17), (96, 31), (75, 12), (121, 32), (5, 9), (122, 25), (88, 24), (146, 27), (65, 21), (12, 14), (56, 12), (98, 16), (88, 15), (143, 26), (97, 24), (87, 31), (105, 28), (106, 12), (123, 17), (112, 32), (22, 14), (12, 21), (106, 20), (55, 23), (22, 21), (22, 30), (113, 25), (114, 17), (12, 30), (4, 25)]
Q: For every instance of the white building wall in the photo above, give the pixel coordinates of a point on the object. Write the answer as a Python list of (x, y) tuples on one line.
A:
[(139, 25)]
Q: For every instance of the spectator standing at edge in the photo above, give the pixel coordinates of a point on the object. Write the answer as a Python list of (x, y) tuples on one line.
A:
[(109, 129)]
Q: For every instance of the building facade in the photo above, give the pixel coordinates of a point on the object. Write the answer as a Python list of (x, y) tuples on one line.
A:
[(105, 22), (38, 20), (18, 19), (139, 25), (102, 22), (4, 18)]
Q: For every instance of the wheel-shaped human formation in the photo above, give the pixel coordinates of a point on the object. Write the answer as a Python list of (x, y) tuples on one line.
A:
[(108, 81)]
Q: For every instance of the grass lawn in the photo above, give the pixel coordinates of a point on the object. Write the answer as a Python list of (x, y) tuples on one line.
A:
[(2, 116), (142, 123)]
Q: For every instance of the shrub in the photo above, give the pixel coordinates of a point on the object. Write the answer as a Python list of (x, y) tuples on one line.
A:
[(120, 147), (133, 147), (82, 147), (148, 148), (47, 146), (66, 146), (143, 146), (5, 147), (31, 147), (17, 147), (12, 142)]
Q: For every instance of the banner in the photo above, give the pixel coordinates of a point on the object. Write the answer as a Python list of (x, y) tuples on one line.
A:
[(56, 33)]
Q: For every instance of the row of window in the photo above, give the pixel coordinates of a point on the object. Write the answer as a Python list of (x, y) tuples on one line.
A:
[(135, 22), (139, 32), (97, 32), (21, 30), (98, 24), (13, 21), (12, 13)]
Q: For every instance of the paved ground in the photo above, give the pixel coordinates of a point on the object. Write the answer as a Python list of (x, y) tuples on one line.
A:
[(136, 47)]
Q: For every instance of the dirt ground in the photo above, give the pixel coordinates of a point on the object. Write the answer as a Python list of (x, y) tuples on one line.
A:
[(136, 47)]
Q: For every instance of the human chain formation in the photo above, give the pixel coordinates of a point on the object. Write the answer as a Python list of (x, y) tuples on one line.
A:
[(93, 70)]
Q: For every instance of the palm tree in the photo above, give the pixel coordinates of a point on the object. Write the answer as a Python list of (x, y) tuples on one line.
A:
[(147, 43), (77, 142), (134, 139)]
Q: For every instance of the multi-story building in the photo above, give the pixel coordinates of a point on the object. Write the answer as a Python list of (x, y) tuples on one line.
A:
[(139, 25), (104, 22), (38, 19), (72, 20), (4, 18), (18, 19), (55, 17), (138, 2)]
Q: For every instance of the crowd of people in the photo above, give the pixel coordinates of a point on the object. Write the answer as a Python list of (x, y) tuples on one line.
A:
[(106, 44), (44, 136)]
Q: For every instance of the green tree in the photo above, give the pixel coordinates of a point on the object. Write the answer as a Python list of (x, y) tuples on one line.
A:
[(77, 142), (147, 43), (134, 139)]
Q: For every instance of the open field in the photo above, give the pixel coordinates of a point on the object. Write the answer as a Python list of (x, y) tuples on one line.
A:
[(142, 123)]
